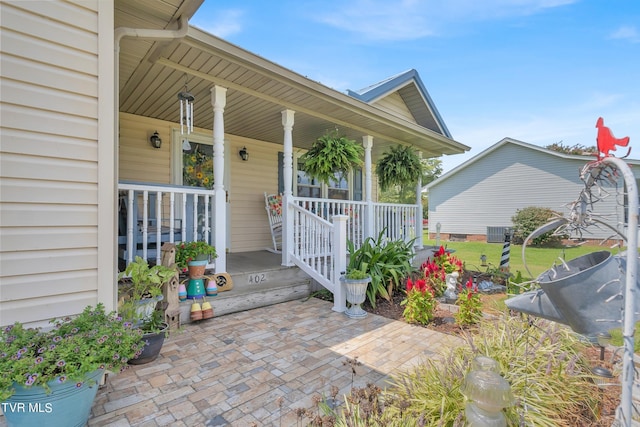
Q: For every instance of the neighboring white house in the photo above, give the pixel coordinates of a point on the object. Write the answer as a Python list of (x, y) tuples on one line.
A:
[(477, 199), (84, 85)]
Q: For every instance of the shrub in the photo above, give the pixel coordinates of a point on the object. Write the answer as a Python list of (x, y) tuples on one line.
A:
[(528, 219), (420, 302)]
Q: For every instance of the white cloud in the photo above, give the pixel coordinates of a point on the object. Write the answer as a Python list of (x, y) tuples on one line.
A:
[(222, 23), (626, 33), (411, 19)]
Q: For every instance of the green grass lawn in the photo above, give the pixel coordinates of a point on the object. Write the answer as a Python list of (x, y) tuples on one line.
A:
[(538, 259)]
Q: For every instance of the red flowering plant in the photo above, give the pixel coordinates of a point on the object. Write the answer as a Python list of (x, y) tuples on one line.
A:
[(469, 304), (420, 302), (435, 270)]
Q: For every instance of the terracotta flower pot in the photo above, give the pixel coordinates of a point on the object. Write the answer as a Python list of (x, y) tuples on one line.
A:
[(196, 268)]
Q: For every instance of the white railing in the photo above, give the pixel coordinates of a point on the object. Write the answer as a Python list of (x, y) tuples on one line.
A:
[(399, 221), (328, 208), (312, 246), (151, 214), (321, 228)]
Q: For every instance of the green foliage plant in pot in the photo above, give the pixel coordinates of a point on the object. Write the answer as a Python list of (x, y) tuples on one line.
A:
[(50, 376), (400, 166), (187, 252), (138, 301), (154, 332), (330, 155), (139, 295), (356, 283)]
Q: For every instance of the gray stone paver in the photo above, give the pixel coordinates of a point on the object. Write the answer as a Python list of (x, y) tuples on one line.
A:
[(230, 370)]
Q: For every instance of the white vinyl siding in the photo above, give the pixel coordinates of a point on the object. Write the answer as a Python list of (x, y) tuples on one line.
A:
[(248, 181), (394, 104), (489, 191), (49, 166)]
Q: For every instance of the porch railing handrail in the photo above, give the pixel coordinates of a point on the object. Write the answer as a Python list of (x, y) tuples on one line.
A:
[(313, 245), (142, 212)]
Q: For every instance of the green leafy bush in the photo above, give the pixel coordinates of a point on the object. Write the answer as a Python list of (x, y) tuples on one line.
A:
[(528, 219), (388, 263)]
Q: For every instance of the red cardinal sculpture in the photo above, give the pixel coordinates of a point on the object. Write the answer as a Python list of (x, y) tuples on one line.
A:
[(606, 141)]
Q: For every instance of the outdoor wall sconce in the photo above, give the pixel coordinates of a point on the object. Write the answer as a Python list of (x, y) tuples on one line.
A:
[(155, 140), (244, 154)]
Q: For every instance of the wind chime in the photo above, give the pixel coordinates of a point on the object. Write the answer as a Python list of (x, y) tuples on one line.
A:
[(186, 115)]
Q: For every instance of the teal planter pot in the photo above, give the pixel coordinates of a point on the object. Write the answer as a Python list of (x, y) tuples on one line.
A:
[(65, 406)]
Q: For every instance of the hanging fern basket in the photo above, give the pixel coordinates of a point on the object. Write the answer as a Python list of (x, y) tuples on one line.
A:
[(399, 166), (332, 155)]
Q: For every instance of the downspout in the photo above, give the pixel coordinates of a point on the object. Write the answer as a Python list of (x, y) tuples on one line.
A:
[(151, 34)]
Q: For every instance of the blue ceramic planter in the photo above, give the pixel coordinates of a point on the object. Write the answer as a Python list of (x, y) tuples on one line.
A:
[(65, 406)]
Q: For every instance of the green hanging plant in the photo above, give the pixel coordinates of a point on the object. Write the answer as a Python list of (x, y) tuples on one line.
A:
[(399, 166), (330, 155)]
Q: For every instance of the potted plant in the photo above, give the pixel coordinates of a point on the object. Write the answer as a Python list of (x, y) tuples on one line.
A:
[(399, 166), (356, 282), (154, 330), (139, 295), (200, 252), (50, 377), (330, 155), (138, 300)]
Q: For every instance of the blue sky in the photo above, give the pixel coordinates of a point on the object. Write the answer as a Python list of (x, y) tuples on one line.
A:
[(541, 71)]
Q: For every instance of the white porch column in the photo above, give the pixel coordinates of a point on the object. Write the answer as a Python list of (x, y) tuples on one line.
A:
[(219, 101), (287, 173), (419, 243), (367, 142)]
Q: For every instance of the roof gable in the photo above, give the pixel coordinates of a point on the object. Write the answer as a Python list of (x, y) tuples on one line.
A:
[(418, 105)]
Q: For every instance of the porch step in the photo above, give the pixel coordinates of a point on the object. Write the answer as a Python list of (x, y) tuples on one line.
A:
[(257, 289)]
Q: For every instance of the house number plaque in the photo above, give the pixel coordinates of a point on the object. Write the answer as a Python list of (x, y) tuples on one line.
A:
[(256, 279)]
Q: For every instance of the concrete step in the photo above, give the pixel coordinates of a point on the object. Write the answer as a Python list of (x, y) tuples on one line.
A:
[(256, 289)]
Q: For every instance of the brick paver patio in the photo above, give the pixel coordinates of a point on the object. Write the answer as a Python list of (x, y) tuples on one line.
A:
[(231, 370)]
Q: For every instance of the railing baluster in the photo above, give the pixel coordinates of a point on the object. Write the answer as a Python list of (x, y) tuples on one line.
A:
[(158, 225), (172, 217), (145, 222), (130, 248)]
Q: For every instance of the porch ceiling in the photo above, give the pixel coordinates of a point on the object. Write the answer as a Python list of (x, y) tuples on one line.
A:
[(152, 73)]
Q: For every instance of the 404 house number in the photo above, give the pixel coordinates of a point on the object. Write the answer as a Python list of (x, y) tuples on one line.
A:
[(256, 279)]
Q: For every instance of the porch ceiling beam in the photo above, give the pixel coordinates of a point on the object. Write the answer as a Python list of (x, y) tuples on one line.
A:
[(288, 105)]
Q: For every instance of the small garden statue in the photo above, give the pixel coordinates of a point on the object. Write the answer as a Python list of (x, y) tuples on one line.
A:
[(452, 283)]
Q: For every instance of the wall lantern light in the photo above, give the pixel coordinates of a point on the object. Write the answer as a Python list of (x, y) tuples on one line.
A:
[(155, 140), (244, 154)]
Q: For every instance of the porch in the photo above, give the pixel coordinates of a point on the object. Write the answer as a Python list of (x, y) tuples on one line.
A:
[(315, 233)]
